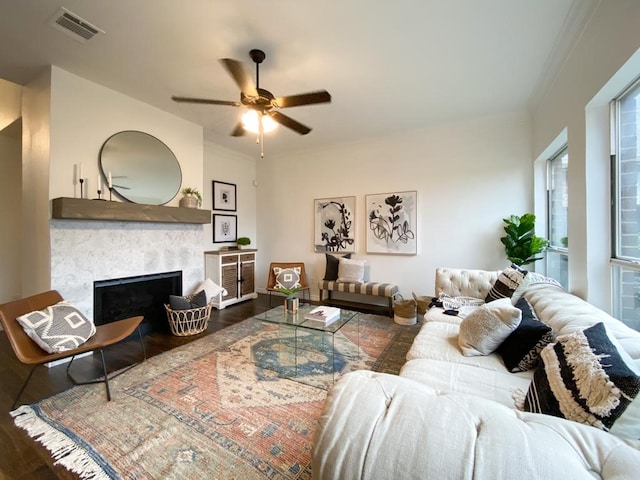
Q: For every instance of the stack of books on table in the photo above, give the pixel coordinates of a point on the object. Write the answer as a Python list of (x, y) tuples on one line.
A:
[(326, 315)]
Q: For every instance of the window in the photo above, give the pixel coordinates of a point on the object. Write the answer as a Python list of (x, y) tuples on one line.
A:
[(626, 206), (557, 259)]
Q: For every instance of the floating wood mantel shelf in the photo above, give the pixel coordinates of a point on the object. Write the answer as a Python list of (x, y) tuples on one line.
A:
[(83, 209)]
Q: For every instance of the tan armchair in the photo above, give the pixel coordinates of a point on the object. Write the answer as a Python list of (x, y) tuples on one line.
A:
[(271, 280), (28, 352)]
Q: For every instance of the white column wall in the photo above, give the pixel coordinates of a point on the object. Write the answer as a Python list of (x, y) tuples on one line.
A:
[(604, 59)]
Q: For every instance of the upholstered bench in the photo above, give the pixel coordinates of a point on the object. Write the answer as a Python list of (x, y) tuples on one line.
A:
[(371, 289)]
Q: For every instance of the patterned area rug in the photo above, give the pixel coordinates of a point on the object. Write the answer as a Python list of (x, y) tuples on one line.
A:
[(205, 410)]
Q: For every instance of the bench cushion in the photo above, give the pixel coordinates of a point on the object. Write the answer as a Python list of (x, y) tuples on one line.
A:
[(365, 288)]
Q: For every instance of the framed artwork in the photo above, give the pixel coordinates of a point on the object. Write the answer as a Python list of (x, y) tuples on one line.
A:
[(391, 223), (334, 224), (224, 196), (224, 228)]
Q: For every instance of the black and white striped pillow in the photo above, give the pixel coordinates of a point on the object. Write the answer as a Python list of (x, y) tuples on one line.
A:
[(508, 280), (585, 378)]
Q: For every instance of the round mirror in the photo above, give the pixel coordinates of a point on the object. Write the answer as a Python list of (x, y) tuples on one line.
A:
[(142, 168)]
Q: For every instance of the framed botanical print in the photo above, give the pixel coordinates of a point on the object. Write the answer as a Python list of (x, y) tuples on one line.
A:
[(334, 224), (224, 228), (224, 196), (391, 223)]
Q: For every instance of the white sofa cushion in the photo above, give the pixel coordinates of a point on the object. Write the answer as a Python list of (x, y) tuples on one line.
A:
[(439, 341), (383, 426), (500, 386), (437, 315)]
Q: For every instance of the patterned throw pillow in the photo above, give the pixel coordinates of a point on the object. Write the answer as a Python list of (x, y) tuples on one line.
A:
[(521, 350), (57, 328), (507, 283), (287, 277), (588, 380), (331, 270)]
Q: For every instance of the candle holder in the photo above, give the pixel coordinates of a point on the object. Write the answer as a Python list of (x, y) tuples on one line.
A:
[(99, 195), (82, 188), (111, 194)]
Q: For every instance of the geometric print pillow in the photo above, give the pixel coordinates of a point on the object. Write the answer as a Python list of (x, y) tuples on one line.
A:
[(287, 277), (57, 328), (585, 378)]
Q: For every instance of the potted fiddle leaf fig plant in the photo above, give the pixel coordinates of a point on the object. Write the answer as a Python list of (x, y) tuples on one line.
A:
[(520, 242), (191, 198), (291, 302)]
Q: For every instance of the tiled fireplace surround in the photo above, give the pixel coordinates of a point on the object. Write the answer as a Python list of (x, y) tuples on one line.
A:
[(86, 251)]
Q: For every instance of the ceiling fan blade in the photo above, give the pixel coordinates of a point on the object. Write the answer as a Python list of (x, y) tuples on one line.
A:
[(238, 131), (205, 101), (239, 74), (290, 123), (321, 96)]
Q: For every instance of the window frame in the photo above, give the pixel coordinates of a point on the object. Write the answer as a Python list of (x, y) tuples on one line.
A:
[(619, 263), (552, 248), (616, 256)]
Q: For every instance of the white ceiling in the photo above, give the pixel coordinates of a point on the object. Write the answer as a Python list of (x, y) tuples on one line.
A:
[(389, 65)]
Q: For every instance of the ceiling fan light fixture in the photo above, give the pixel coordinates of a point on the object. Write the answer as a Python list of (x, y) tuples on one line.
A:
[(251, 118)]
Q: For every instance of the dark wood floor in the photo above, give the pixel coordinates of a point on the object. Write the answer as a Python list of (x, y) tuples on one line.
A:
[(23, 459)]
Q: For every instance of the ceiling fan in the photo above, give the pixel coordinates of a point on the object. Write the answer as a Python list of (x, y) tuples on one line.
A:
[(261, 103)]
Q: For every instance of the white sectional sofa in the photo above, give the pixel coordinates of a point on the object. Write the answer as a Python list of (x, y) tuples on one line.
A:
[(450, 416)]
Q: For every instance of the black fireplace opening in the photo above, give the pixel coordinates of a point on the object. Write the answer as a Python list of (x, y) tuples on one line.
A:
[(140, 295)]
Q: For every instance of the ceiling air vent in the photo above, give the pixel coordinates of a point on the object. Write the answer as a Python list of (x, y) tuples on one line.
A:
[(74, 26)]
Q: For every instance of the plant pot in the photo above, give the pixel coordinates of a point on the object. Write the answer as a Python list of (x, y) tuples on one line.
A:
[(291, 304), (188, 202)]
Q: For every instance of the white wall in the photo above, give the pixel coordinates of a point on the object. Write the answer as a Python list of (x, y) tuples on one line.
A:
[(468, 176), (84, 115), (10, 211), (603, 61), (36, 121), (10, 103), (227, 166)]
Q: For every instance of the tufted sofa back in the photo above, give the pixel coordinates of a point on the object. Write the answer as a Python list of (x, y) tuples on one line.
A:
[(459, 282)]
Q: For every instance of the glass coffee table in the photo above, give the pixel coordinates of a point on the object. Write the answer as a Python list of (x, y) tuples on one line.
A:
[(307, 351)]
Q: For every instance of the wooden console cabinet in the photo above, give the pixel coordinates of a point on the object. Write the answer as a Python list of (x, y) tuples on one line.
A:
[(235, 271)]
